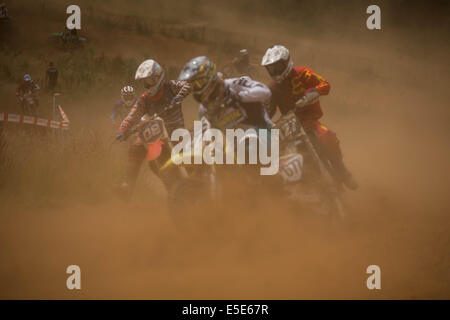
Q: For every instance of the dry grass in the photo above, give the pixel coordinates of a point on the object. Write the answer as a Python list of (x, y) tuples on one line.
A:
[(41, 170)]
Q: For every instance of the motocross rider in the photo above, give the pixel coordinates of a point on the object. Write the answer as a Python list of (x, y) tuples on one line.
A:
[(300, 88), (123, 106), (216, 94), (26, 85), (219, 98), (240, 66), (242, 62), (69, 35), (162, 97)]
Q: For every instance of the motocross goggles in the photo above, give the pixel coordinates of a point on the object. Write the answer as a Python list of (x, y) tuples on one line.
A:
[(277, 68), (152, 81), (204, 80), (199, 84)]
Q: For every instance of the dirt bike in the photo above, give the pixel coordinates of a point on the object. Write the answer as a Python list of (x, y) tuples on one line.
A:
[(189, 187), (234, 116), (307, 176), (67, 41), (230, 70), (29, 103)]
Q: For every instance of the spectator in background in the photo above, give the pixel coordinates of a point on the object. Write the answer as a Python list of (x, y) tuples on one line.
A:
[(28, 89), (3, 12), (51, 77), (242, 62), (123, 106), (26, 85)]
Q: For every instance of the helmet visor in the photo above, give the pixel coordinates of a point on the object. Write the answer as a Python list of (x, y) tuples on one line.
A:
[(277, 68), (199, 84), (151, 81)]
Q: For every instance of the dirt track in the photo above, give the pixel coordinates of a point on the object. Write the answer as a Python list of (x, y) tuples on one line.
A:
[(389, 106)]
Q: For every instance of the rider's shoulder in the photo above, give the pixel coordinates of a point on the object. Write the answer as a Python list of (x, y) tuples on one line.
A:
[(241, 81), (229, 81), (302, 70), (299, 69)]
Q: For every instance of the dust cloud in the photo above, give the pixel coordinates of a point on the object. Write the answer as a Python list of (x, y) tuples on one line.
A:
[(388, 104)]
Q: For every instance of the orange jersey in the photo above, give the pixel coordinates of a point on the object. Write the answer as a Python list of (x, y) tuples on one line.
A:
[(299, 81)]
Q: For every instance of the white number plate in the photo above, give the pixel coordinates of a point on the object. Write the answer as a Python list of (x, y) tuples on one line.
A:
[(153, 131), (291, 168)]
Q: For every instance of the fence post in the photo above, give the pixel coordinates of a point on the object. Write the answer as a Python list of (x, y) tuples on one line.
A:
[(55, 116)]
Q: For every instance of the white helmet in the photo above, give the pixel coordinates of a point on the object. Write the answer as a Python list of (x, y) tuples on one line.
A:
[(152, 75), (278, 62), (128, 95)]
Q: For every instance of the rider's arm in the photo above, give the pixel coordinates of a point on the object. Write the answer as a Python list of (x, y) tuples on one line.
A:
[(252, 91), (316, 82), (181, 90), (317, 86), (133, 117), (259, 93), (114, 112)]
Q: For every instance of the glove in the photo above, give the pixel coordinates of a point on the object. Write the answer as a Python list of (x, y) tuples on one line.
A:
[(309, 98), (120, 136), (175, 101)]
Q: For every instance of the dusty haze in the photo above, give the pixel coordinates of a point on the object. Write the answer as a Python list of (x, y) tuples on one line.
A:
[(388, 103)]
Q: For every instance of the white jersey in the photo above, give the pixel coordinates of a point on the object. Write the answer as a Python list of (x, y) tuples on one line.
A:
[(251, 95), (247, 90)]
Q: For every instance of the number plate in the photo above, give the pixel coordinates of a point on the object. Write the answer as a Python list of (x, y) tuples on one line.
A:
[(291, 168), (152, 131), (288, 129)]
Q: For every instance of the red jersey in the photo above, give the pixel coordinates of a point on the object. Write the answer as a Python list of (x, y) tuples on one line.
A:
[(299, 81)]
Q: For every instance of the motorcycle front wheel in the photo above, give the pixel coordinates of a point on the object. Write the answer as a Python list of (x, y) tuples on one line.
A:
[(189, 203)]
